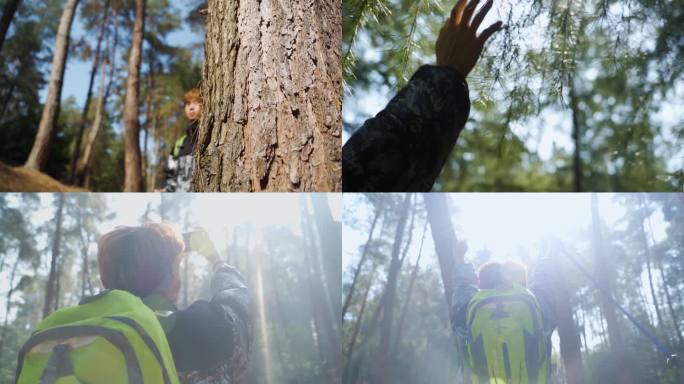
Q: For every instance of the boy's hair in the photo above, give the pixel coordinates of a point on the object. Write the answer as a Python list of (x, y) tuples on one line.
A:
[(495, 274), (140, 260), (192, 96)]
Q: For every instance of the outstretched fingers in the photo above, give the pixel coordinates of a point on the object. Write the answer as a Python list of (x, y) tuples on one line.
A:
[(457, 12), (481, 15), (487, 33), (468, 12)]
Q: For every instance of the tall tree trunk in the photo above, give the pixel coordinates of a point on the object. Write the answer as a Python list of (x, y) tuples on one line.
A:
[(133, 181), (89, 94), (409, 293), (362, 260), (576, 137), (647, 257), (8, 305), (8, 12), (666, 287), (330, 240), (383, 372), (444, 238), (357, 328), (83, 165), (48, 120), (603, 269), (53, 277), (329, 337), (149, 118), (570, 344), (271, 93), (447, 247)]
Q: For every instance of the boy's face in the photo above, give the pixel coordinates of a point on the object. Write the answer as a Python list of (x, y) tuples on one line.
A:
[(193, 110)]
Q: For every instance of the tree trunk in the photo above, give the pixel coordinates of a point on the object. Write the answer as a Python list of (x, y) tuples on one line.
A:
[(133, 181), (48, 120), (603, 269), (8, 305), (576, 137), (330, 240), (357, 328), (444, 238), (271, 93), (149, 118), (383, 373), (83, 167), (570, 344), (447, 247), (329, 337), (89, 94), (8, 12), (51, 284), (409, 293), (362, 260), (647, 257)]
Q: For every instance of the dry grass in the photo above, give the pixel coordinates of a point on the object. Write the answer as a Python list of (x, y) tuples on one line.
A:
[(21, 179)]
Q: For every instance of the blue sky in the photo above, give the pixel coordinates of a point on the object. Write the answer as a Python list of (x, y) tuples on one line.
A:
[(77, 73)]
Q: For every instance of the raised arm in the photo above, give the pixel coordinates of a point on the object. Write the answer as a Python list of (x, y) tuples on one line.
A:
[(405, 146)]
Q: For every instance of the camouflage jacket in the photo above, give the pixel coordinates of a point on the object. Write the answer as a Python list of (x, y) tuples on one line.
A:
[(403, 148), (181, 161), (211, 341)]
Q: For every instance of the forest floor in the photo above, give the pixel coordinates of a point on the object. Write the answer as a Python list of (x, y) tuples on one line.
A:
[(21, 179)]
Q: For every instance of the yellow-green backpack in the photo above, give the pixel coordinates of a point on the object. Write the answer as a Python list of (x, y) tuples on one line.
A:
[(506, 343), (111, 338)]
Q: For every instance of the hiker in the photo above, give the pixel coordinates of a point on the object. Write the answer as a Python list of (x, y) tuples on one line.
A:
[(403, 148), (181, 160), (209, 342), (504, 327)]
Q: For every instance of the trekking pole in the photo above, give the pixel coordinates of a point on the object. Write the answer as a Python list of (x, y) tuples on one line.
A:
[(671, 358)]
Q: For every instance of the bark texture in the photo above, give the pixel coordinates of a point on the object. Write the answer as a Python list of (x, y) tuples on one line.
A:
[(271, 93), (133, 180), (52, 285), (48, 120)]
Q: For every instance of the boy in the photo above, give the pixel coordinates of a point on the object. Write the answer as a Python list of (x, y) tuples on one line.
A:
[(181, 161), (505, 328), (209, 342)]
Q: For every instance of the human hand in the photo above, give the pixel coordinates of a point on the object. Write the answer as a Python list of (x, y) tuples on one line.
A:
[(458, 45), (199, 241)]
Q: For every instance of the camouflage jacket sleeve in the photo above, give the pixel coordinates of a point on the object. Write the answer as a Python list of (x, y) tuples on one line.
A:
[(217, 349), (465, 287), (403, 148)]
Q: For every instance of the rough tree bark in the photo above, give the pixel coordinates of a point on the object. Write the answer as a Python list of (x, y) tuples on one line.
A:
[(362, 260), (8, 12), (133, 181), (89, 94), (383, 374), (603, 269), (272, 97), (48, 120), (51, 284)]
